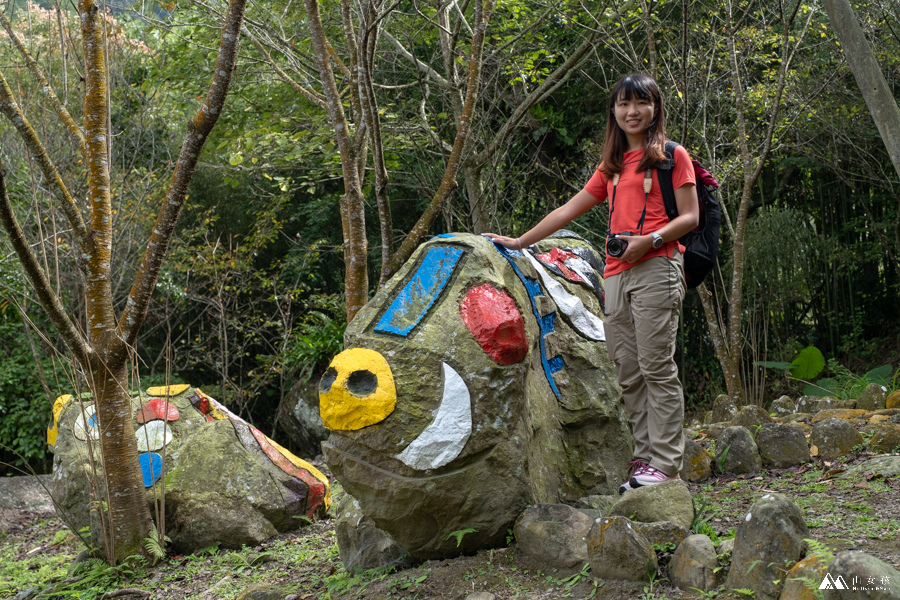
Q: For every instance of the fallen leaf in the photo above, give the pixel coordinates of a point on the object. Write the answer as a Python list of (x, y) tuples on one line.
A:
[(813, 450), (862, 485)]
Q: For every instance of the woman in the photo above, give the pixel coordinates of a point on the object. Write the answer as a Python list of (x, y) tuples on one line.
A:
[(644, 284)]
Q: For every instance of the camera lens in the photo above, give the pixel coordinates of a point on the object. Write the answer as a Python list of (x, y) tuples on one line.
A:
[(615, 247)]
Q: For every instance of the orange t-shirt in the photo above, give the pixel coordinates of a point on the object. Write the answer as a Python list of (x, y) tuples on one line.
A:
[(629, 203)]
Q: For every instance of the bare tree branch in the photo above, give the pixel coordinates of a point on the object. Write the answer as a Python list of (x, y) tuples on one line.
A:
[(198, 131)]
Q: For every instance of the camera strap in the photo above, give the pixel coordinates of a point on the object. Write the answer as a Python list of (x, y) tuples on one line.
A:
[(648, 185)]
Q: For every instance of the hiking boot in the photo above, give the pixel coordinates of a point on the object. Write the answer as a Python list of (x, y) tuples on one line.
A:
[(649, 476), (636, 466)]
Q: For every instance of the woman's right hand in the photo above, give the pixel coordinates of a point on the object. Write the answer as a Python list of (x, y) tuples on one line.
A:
[(512, 243)]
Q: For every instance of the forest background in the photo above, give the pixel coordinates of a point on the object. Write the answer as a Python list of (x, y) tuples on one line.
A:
[(250, 302)]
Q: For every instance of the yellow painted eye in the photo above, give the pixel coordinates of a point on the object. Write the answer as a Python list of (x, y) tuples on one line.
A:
[(58, 406), (357, 390)]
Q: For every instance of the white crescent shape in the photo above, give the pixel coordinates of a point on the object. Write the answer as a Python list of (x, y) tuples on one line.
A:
[(444, 439)]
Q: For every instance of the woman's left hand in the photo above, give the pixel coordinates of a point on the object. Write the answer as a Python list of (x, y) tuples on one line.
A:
[(512, 243), (638, 246)]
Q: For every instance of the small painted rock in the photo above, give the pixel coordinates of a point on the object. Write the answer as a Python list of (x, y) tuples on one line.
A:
[(158, 408)]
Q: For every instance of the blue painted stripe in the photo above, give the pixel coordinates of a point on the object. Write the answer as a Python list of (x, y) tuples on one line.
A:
[(444, 235), (151, 467), (421, 291), (534, 290)]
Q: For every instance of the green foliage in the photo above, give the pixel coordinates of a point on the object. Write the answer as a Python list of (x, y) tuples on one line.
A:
[(846, 385), (318, 339), (808, 363), (24, 405), (459, 533)]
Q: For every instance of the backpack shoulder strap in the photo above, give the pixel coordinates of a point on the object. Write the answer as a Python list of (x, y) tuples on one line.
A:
[(664, 174)]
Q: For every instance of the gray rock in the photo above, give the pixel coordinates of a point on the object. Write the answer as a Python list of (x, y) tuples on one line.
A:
[(660, 533), (726, 546), (669, 501), (697, 463), (857, 568), (362, 545), (874, 397), (707, 417), (781, 446), (784, 406), (796, 584), (723, 409), (885, 466), (716, 429), (555, 534), (808, 404), (481, 596), (795, 418), (26, 492), (751, 416), (829, 403), (470, 427), (885, 437), (834, 437), (617, 551), (736, 452), (599, 502), (27, 594), (298, 416), (693, 565), (769, 541), (262, 591), (225, 482)]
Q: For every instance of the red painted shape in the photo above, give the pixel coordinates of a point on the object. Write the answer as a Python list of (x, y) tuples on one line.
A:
[(492, 317), (316, 487), (158, 408), (558, 258)]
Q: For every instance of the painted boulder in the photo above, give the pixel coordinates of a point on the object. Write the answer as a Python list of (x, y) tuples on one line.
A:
[(223, 480), (475, 383)]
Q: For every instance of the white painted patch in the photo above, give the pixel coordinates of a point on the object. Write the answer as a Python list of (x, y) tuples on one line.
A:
[(153, 436), (748, 517), (444, 439), (81, 431), (584, 320)]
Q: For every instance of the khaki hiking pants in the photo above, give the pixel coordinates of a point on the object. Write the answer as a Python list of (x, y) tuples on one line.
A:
[(642, 308)]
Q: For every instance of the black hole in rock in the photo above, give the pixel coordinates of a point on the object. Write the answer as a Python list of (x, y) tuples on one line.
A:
[(362, 383), (327, 379)]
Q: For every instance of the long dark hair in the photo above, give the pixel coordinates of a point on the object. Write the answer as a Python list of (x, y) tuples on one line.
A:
[(636, 85)]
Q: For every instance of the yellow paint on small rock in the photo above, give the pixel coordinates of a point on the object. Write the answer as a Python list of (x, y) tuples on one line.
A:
[(167, 390), (58, 406), (344, 410), (839, 413), (302, 464), (893, 400)]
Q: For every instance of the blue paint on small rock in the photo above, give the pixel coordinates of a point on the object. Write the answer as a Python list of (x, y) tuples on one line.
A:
[(92, 422), (151, 467)]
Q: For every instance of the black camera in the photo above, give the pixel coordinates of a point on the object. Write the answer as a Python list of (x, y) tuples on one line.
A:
[(615, 247)]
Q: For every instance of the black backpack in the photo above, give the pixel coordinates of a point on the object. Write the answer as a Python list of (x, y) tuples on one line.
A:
[(701, 244)]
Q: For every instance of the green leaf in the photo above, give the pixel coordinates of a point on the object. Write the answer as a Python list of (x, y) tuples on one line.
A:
[(880, 374), (236, 159), (826, 386), (774, 364), (808, 363)]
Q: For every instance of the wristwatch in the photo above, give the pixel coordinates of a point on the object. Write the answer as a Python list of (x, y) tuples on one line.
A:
[(657, 240)]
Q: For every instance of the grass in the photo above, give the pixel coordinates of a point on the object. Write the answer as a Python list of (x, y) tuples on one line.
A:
[(855, 512)]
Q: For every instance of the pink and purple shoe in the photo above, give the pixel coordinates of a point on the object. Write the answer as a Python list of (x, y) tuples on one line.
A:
[(636, 466), (649, 476)]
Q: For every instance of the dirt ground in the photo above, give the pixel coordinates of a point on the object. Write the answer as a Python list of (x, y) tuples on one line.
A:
[(861, 512)]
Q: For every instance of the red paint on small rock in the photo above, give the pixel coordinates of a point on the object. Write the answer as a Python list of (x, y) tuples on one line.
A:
[(558, 258), (158, 408), (316, 487), (492, 317)]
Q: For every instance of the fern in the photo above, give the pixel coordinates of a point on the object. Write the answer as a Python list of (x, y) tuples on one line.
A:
[(155, 545), (459, 533)]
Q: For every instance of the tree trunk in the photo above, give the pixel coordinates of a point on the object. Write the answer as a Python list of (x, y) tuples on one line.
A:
[(128, 514), (478, 209)]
